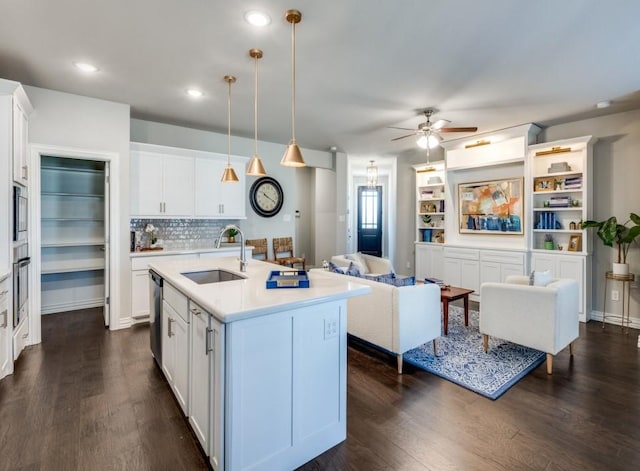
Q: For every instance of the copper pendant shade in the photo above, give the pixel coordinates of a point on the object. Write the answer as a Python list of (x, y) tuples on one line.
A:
[(229, 175), (292, 155), (255, 169)]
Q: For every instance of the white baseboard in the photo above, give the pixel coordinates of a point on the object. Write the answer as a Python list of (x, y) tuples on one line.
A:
[(615, 319), (124, 323), (71, 306)]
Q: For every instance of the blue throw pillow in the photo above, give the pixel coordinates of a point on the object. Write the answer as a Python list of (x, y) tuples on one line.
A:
[(335, 268), (352, 270), (397, 280)]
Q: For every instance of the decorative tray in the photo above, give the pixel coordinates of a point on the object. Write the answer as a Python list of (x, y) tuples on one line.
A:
[(288, 279)]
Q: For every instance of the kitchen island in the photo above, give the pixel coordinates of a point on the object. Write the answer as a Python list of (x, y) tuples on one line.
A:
[(260, 373)]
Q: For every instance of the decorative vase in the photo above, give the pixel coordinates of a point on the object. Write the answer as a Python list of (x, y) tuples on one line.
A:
[(548, 245), (621, 269), (231, 239)]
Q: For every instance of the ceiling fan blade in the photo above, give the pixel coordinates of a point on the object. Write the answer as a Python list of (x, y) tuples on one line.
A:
[(404, 129), (470, 129), (402, 137), (439, 124)]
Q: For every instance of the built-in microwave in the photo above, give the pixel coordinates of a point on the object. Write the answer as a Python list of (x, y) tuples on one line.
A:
[(20, 205)]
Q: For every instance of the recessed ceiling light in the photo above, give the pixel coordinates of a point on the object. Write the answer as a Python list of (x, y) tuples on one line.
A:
[(86, 67), (257, 18), (192, 92), (603, 104)]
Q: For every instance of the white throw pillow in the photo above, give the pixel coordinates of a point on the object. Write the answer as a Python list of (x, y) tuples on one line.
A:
[(540, 278), (359, 262)]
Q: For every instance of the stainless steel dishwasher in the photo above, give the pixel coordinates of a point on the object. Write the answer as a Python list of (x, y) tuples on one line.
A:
[(155, 316)]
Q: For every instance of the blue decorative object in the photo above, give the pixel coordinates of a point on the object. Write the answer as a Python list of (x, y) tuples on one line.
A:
[(288, 279), (352, 270), (461, 359), (335, 268)]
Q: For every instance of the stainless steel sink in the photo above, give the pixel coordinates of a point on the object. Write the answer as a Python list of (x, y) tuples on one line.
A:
[(212, 276)]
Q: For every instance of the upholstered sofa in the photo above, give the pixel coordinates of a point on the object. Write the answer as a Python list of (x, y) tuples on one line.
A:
[(544, 317), (394, 318)]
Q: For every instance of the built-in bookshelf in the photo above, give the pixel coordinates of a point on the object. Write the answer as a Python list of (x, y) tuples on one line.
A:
[(430, 203)]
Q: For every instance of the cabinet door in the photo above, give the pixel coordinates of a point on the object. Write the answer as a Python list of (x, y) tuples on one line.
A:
[(207, 187), (168, 344), (490, 272), (422, 262), (470, 275), (436, 267), (146, 184), (199, 382), (177, 185), (543, 263), (452, 268), (573, 268), (140, 294), (216, 398), (232, 195), (509, 269), (20, 139), (180, 336), (5, 333)]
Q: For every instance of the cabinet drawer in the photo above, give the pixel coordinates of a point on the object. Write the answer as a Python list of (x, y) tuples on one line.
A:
[(509, 150), (465, 254), (142, 263), (176, 300), (502, 257)]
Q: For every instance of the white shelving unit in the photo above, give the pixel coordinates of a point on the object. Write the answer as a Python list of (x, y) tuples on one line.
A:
[(559, 211), (73, 234)]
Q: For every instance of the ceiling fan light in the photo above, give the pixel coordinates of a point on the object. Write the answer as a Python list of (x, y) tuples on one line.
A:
[(292, 156), (422, 142), (433, 141), (256, 169)]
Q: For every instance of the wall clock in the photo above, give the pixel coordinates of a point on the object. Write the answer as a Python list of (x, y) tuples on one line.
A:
[(266, 197)]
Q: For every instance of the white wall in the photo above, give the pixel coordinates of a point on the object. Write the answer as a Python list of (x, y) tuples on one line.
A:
[(616, 191), (66, 120), (324, 216)]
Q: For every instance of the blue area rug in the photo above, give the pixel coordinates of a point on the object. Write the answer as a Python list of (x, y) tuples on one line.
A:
[(461, 359)]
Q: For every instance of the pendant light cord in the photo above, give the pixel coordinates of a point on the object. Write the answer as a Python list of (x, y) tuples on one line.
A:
[(229, 126), (255, 106), (293, 81)]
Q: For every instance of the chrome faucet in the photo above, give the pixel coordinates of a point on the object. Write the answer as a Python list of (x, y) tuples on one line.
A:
[(243, 255)]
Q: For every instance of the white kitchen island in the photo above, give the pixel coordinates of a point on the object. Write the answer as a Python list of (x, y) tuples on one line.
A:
[(261, 373)]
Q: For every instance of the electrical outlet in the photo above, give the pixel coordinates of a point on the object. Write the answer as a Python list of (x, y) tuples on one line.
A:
[(330, 328), (615, 295)]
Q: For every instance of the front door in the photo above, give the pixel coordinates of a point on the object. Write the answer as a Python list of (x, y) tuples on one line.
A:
[(370, 220)]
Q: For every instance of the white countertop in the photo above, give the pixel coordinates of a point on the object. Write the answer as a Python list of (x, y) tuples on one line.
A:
[(190, 250), (242, 299)]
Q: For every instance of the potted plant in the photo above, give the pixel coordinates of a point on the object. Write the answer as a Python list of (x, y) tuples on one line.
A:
[(231, 235), (548, 241), (610, 232)]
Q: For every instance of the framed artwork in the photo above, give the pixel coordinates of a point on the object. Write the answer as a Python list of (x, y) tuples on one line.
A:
[(575, 243), (491, 207)]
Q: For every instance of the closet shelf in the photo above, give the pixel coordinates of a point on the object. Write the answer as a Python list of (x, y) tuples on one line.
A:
[(87, 243), (54, 271), (71, 195), (72, 219), (71, 169)]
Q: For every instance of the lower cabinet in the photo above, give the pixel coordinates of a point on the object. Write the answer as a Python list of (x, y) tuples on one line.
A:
[(175, 344), (429, 261), (20, 337), (461, 268), (6, 357), (576, 267), (496, 266)]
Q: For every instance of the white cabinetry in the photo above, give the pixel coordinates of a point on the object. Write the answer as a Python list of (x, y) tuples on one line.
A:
[(496, 266), (6, 357), (429, 261), (20, 337), (216, 199), (172, 182), (14, 132), (175, 343), (206, 412), (73, 202), (461, 268), (161, 185)]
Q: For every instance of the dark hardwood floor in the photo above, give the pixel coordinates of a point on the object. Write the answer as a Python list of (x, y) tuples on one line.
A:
[(91, 399)]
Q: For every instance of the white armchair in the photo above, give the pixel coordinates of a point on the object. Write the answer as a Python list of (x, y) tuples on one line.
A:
[(540, 317)]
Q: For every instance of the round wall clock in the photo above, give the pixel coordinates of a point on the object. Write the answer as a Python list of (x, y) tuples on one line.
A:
[(266, 197)]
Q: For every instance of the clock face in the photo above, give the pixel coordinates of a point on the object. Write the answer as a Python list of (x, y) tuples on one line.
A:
[(266, 197)]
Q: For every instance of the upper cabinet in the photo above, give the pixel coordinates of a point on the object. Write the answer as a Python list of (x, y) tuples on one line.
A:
[(16, 109), (169, 182)]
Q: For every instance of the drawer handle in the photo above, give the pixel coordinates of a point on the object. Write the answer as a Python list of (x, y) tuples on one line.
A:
[(209, 341), (195, 311), (169, 333)]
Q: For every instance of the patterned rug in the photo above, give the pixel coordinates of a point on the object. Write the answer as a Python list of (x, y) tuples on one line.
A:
[(461, 359)]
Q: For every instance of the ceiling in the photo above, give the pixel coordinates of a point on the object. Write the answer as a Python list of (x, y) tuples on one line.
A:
[(491, 63)]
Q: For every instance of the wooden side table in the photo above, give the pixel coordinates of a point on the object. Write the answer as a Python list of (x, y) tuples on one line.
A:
[(626, 287)]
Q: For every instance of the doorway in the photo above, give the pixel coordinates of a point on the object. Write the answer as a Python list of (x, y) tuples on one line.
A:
[(369, 223)]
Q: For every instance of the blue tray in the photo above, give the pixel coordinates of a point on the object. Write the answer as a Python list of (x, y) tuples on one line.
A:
[(288, 279)]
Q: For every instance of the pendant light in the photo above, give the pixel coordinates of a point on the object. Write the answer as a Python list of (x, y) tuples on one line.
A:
[(292, 155), (255, 169), (229, 175), (372, 175)]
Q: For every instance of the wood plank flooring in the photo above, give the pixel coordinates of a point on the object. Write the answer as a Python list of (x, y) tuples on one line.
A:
[(91, 399)]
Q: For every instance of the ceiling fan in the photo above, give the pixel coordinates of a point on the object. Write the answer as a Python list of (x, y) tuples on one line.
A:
[(429, 133)]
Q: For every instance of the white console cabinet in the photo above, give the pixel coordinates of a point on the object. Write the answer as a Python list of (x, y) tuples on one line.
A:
[(462, 268), (429, 261)]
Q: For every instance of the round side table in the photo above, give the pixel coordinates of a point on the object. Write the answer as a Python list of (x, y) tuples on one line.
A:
[(626, 288)]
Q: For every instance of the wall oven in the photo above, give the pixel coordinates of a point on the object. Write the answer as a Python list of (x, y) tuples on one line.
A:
[(21, 263), (20, 205)]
